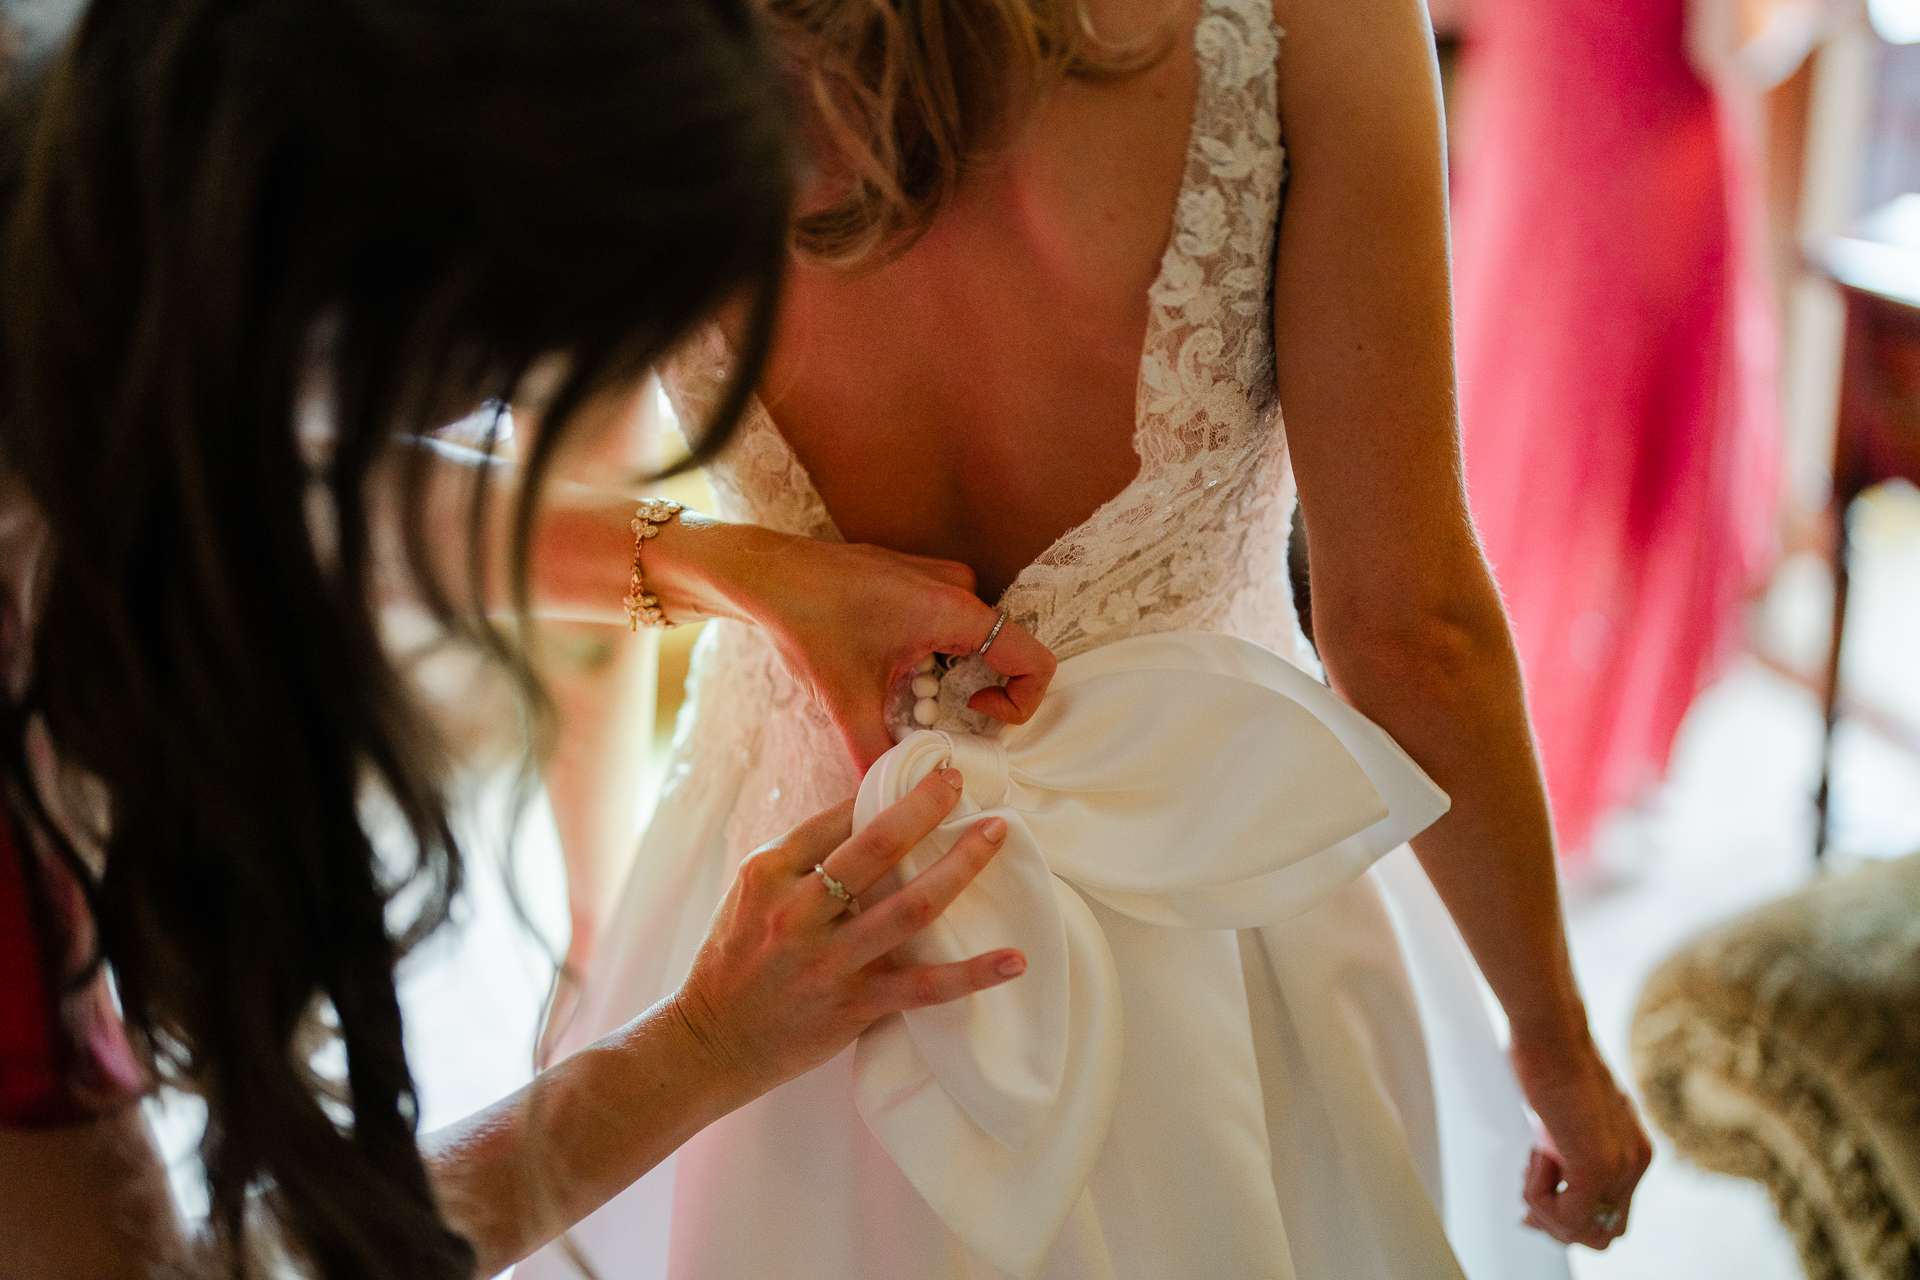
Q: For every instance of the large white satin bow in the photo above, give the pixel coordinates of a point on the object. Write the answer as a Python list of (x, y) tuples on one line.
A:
[(1185, 779)]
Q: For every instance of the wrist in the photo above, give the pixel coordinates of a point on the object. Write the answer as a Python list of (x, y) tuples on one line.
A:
[(749, 573), (699, 567), (1553, 1029), (725, 1081)]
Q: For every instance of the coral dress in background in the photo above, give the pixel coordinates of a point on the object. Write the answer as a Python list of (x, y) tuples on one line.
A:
[(1616, 376)]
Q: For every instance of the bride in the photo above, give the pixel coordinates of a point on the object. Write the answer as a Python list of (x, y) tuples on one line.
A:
[(1065, 266)]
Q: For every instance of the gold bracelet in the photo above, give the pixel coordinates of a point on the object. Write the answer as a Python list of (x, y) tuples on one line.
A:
[(643, 608)]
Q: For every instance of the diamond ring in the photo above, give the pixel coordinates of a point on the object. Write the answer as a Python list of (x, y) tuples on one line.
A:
[(837, 890), (994, 634)]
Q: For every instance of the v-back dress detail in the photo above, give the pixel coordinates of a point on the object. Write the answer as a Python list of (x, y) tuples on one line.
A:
[(1277, 1120)]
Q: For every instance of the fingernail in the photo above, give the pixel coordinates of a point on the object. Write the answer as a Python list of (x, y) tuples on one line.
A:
[(952, 778), (1013, 966), (994, 830)]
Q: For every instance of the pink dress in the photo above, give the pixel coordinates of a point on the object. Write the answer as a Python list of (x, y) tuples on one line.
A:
[(1616, 377)]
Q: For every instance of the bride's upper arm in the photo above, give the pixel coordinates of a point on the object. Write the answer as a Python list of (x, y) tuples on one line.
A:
[(1362, 324)]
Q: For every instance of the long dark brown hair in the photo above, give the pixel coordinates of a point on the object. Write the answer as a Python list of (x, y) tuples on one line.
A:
[(210, 208)]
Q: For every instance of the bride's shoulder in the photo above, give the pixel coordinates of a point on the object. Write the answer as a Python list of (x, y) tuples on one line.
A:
[(1356, 76), (1360, 13), (1323, 34)]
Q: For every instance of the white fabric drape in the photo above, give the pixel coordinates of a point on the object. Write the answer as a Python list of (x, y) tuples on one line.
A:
[(1215, 1065), (1187, 780)]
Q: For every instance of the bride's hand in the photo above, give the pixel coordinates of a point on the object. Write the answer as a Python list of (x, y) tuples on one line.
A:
[(1579, 1184), (788, 976), (851, 621)]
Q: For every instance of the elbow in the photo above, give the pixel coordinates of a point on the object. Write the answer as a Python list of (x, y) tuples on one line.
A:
[(1444, 656)]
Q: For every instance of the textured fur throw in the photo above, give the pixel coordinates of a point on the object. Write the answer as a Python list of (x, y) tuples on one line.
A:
[(1785, 1047)]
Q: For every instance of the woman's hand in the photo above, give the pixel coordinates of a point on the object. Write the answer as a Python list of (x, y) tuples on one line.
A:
[(861, 617), (789, 975), (851, 622), (1579, 1185)]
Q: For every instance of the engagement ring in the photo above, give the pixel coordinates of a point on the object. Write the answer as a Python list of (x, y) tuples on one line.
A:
[(838, 890)]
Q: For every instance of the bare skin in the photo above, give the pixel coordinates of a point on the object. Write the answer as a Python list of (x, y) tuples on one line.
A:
[(973, 400), (88, 1201)]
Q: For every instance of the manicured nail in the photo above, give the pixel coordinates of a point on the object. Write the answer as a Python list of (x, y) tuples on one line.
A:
[(1013, 966), (951, 776), (994, 830)]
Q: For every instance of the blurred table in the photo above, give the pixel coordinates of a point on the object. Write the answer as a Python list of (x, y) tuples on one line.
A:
[(1877, 437)]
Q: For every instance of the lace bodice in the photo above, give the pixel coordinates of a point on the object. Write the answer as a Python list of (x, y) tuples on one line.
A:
[(1196, 541)]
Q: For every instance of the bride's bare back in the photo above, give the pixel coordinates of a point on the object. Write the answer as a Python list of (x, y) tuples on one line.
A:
[(974, 399)]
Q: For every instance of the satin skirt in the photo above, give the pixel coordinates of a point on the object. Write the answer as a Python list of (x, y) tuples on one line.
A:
[(1322, 1098)]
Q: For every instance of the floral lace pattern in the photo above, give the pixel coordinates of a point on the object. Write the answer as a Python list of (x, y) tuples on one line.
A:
[(1197, 541)]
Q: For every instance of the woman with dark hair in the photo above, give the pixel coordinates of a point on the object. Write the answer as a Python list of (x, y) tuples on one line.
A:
[(252, 248)]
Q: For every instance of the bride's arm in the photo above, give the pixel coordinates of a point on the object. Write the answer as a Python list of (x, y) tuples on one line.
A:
[(849, 620), (1405, 611)]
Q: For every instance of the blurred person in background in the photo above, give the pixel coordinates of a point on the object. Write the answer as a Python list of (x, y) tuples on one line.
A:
[(255, 251), (1617, 341)]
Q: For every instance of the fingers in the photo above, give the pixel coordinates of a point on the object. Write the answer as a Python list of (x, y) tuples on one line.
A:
[(1593, 1148), (860, 861), (1571, 1210), (959, 624), (1543, 1192), (1539, 1188), (1543, 1178), (916, 905), (921, 985), (1028, 666), (1607, 1216)]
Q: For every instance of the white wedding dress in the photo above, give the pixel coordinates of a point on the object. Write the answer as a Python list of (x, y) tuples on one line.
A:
[(1213, 1068)]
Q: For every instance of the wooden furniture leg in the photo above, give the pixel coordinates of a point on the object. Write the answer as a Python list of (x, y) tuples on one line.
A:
[(1877, 432), (1842, 554)]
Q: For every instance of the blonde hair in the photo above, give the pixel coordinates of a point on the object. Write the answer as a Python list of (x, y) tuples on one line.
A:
[(901, 95)]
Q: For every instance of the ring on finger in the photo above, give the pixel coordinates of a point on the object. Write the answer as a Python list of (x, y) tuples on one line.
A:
[(998, 622), (1607, 1218), (837, 890)]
